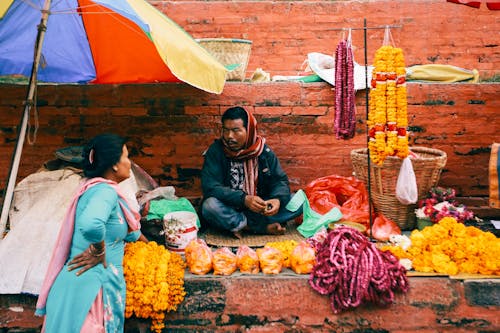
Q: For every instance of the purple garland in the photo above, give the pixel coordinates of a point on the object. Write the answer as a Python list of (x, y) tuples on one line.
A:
[(345, 107), (353, 271)]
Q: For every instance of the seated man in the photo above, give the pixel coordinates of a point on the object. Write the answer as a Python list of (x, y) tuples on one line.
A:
[(244, 186)]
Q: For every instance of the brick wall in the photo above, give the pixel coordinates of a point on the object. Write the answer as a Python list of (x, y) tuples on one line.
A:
[(170, 125), (283, 32), (286, 303)]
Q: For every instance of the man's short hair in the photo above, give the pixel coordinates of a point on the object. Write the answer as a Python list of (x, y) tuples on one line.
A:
[(236, 112)]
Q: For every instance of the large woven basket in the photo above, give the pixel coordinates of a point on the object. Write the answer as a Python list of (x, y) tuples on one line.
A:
[(231, 53), (427, 166)]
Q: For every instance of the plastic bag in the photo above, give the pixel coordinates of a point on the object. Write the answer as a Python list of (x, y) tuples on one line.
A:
[(247, 260), (167, 192), (198, 257), (311, 221), (406, 186), (159, 208), (224, 261), (383, 228), (349, 194), (270, 260), (303, 258)]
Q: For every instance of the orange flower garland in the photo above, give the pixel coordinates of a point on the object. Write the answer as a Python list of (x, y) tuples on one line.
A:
[(387, 113), (155, 282), (451, 247)]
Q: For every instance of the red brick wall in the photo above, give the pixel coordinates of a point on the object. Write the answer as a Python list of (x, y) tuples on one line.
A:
[(286, 303), (170, 125), (283, 32)]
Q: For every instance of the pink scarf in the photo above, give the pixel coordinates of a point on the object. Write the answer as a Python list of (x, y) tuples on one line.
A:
[(63, 243)]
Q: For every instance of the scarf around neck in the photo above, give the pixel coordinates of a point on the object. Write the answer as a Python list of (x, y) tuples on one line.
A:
[(248, 155), (65, 236)]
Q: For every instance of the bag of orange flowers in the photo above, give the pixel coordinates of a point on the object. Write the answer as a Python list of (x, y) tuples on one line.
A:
[(270, 260), (224, 261), (198, 257), (303, 258), (247, 260)]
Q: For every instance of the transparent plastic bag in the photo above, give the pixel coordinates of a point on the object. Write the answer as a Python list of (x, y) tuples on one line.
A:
[(406, 186)]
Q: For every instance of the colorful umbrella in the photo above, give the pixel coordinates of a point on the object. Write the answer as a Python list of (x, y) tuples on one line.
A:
[(492, 5), (104, 41), (95, 41)]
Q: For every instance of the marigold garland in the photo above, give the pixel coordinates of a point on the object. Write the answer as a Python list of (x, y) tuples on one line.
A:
[(387, 112), (155, 282), (450, 247)]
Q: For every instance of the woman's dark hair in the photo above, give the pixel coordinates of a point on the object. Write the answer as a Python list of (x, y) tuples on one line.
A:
[(236, 112), (101, 153)]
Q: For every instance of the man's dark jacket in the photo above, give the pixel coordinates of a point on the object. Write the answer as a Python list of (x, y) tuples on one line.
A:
[(272, 181)]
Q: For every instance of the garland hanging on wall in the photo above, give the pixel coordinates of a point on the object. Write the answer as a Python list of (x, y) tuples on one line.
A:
[(345, 107), (387, 113)]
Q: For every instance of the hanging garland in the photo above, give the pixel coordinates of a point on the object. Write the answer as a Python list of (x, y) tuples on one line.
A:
[(387, 112), (345, 108)]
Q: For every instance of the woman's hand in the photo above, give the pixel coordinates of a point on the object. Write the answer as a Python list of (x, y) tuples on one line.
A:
[(92, 256)]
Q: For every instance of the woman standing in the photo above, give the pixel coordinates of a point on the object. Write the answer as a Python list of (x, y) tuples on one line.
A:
[(84, 287)]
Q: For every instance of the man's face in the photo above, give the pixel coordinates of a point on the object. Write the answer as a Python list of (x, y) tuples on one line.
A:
[(234, 134)]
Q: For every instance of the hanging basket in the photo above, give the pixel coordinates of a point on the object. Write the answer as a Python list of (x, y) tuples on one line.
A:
[(427, 167), (231, 53)]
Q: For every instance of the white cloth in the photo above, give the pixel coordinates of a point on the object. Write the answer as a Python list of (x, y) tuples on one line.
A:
[(324, 66), (39, 204)]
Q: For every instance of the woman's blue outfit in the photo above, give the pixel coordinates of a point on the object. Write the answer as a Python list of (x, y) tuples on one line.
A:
[(98, 217)]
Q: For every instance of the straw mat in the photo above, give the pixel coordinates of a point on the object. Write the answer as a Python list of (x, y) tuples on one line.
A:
[(219, 238)]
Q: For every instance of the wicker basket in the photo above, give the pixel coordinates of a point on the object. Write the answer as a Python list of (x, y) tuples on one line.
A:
[(230, 53), (427, 167)]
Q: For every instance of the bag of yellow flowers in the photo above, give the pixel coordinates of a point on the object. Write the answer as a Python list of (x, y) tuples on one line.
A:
[(303, 258), (224, 261), (270, 260), (198, 257), (247, 260)]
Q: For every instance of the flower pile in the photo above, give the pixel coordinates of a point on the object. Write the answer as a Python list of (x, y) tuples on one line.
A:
[(286, 247), (440, 203), (387, 113), (155, 281), (450, 247)]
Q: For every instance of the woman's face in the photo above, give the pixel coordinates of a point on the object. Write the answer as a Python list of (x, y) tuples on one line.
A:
[(123, 166)]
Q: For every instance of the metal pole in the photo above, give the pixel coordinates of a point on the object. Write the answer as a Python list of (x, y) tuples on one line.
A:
[(24, 121), (367, 101)]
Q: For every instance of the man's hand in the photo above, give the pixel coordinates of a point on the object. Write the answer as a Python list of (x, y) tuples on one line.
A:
[(255, 203), (272, 207), (265, 207), (92, 256)]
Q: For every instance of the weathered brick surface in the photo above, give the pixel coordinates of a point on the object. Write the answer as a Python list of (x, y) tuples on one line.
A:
[(170, 125), (284, 32), (286, 303)]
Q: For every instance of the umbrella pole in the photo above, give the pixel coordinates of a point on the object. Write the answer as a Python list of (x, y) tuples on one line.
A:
[(24, 121)]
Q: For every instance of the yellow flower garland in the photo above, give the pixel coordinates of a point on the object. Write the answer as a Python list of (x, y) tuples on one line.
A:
[(387, 112), (155, 282), (451, 247)]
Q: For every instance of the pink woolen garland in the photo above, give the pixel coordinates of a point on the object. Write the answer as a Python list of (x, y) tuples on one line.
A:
[(353, 271), (345, 108)]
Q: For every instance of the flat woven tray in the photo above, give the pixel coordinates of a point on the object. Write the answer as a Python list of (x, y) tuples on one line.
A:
[(219, 239)]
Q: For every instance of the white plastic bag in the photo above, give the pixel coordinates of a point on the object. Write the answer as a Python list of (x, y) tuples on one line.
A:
[(406, 186)]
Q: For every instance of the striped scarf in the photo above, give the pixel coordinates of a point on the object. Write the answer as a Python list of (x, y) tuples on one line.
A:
[(254, 147)]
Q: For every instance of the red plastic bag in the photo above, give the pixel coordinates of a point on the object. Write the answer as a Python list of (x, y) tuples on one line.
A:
[(383, 228), (347, 193)]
